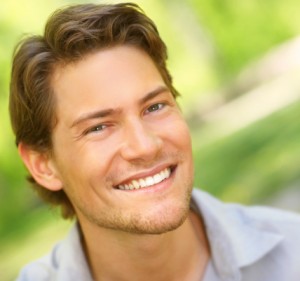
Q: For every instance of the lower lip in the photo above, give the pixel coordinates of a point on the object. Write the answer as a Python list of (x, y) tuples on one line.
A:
[(163, 185)]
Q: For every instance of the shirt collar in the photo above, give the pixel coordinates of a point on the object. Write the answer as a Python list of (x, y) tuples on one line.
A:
[(235, 240), (72, 254)]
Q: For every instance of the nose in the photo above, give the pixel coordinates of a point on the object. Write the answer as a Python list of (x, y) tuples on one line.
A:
[(140, 143)]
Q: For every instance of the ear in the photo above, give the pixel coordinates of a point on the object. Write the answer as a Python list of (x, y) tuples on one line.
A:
[(41, 167)]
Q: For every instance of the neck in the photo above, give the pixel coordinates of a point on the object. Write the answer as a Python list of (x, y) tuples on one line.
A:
[(181, 254)]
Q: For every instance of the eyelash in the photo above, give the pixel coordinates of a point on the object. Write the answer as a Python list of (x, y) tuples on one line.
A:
[(95, 129), (152, 109)]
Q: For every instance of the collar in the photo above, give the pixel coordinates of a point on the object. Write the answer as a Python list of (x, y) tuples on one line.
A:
[(71, 258), (237, 239)]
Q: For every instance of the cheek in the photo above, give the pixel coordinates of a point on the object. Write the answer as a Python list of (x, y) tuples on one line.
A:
[(178, 133), (179, 137)]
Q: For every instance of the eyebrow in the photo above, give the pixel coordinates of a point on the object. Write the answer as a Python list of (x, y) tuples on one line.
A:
[(106, 112), (94, 115), (153, 94)]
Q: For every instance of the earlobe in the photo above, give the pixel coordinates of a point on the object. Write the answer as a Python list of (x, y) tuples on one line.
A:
[(41, 167)]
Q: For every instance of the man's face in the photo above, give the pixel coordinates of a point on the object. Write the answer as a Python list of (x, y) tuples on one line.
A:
[(121, 146)]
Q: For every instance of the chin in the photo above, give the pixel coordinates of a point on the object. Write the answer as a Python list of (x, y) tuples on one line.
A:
[(158, 223), (161, 219)]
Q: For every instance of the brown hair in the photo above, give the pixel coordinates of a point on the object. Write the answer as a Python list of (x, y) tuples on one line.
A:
[(70, 34)]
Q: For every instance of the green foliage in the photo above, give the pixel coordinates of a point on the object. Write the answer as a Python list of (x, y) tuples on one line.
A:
[(244, 30), (253, 163)]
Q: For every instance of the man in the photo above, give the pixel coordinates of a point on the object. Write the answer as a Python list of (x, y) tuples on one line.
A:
[(97, 125)]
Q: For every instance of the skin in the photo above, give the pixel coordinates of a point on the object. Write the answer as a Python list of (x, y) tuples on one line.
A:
[(117, 121)]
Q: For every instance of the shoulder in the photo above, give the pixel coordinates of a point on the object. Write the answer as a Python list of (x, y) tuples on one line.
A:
[(65, 262), (258, 238), (283, 222), (238, 220), (43, 269), (257, 216), (269, 215)]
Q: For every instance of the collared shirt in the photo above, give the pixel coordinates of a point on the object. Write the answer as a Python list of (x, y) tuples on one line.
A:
[(247, 244)]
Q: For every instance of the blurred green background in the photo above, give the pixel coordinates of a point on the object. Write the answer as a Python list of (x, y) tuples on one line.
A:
[(237, 65)]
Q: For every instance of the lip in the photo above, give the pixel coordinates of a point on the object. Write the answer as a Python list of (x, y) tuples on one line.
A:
[(159, 188), (146, 174)]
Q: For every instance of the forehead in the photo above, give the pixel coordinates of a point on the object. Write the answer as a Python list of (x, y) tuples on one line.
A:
[(107, 77), (104, 65)]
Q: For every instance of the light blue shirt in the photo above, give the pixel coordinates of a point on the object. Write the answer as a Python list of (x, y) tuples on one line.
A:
[(247, 244)]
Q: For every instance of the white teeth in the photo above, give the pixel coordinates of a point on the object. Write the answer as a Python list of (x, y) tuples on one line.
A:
[(167, 173), (149, 181), (142, 183), (135, 184), (158, 178)]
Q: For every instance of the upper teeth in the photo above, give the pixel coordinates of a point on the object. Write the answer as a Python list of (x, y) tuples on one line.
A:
[(148, 181)]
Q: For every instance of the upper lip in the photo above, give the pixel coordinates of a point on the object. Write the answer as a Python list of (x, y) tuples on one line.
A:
[(145, 174)]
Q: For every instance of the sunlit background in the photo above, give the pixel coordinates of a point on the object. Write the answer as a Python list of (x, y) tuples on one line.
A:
[(237, 66)]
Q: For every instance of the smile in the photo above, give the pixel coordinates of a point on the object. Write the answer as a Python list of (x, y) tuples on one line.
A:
[(146, 182)]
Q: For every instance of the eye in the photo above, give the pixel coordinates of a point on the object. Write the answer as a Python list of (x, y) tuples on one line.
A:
[(154, 107), (96, 129)]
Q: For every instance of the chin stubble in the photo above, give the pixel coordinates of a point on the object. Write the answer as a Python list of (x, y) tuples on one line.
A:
[(138, 223)]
